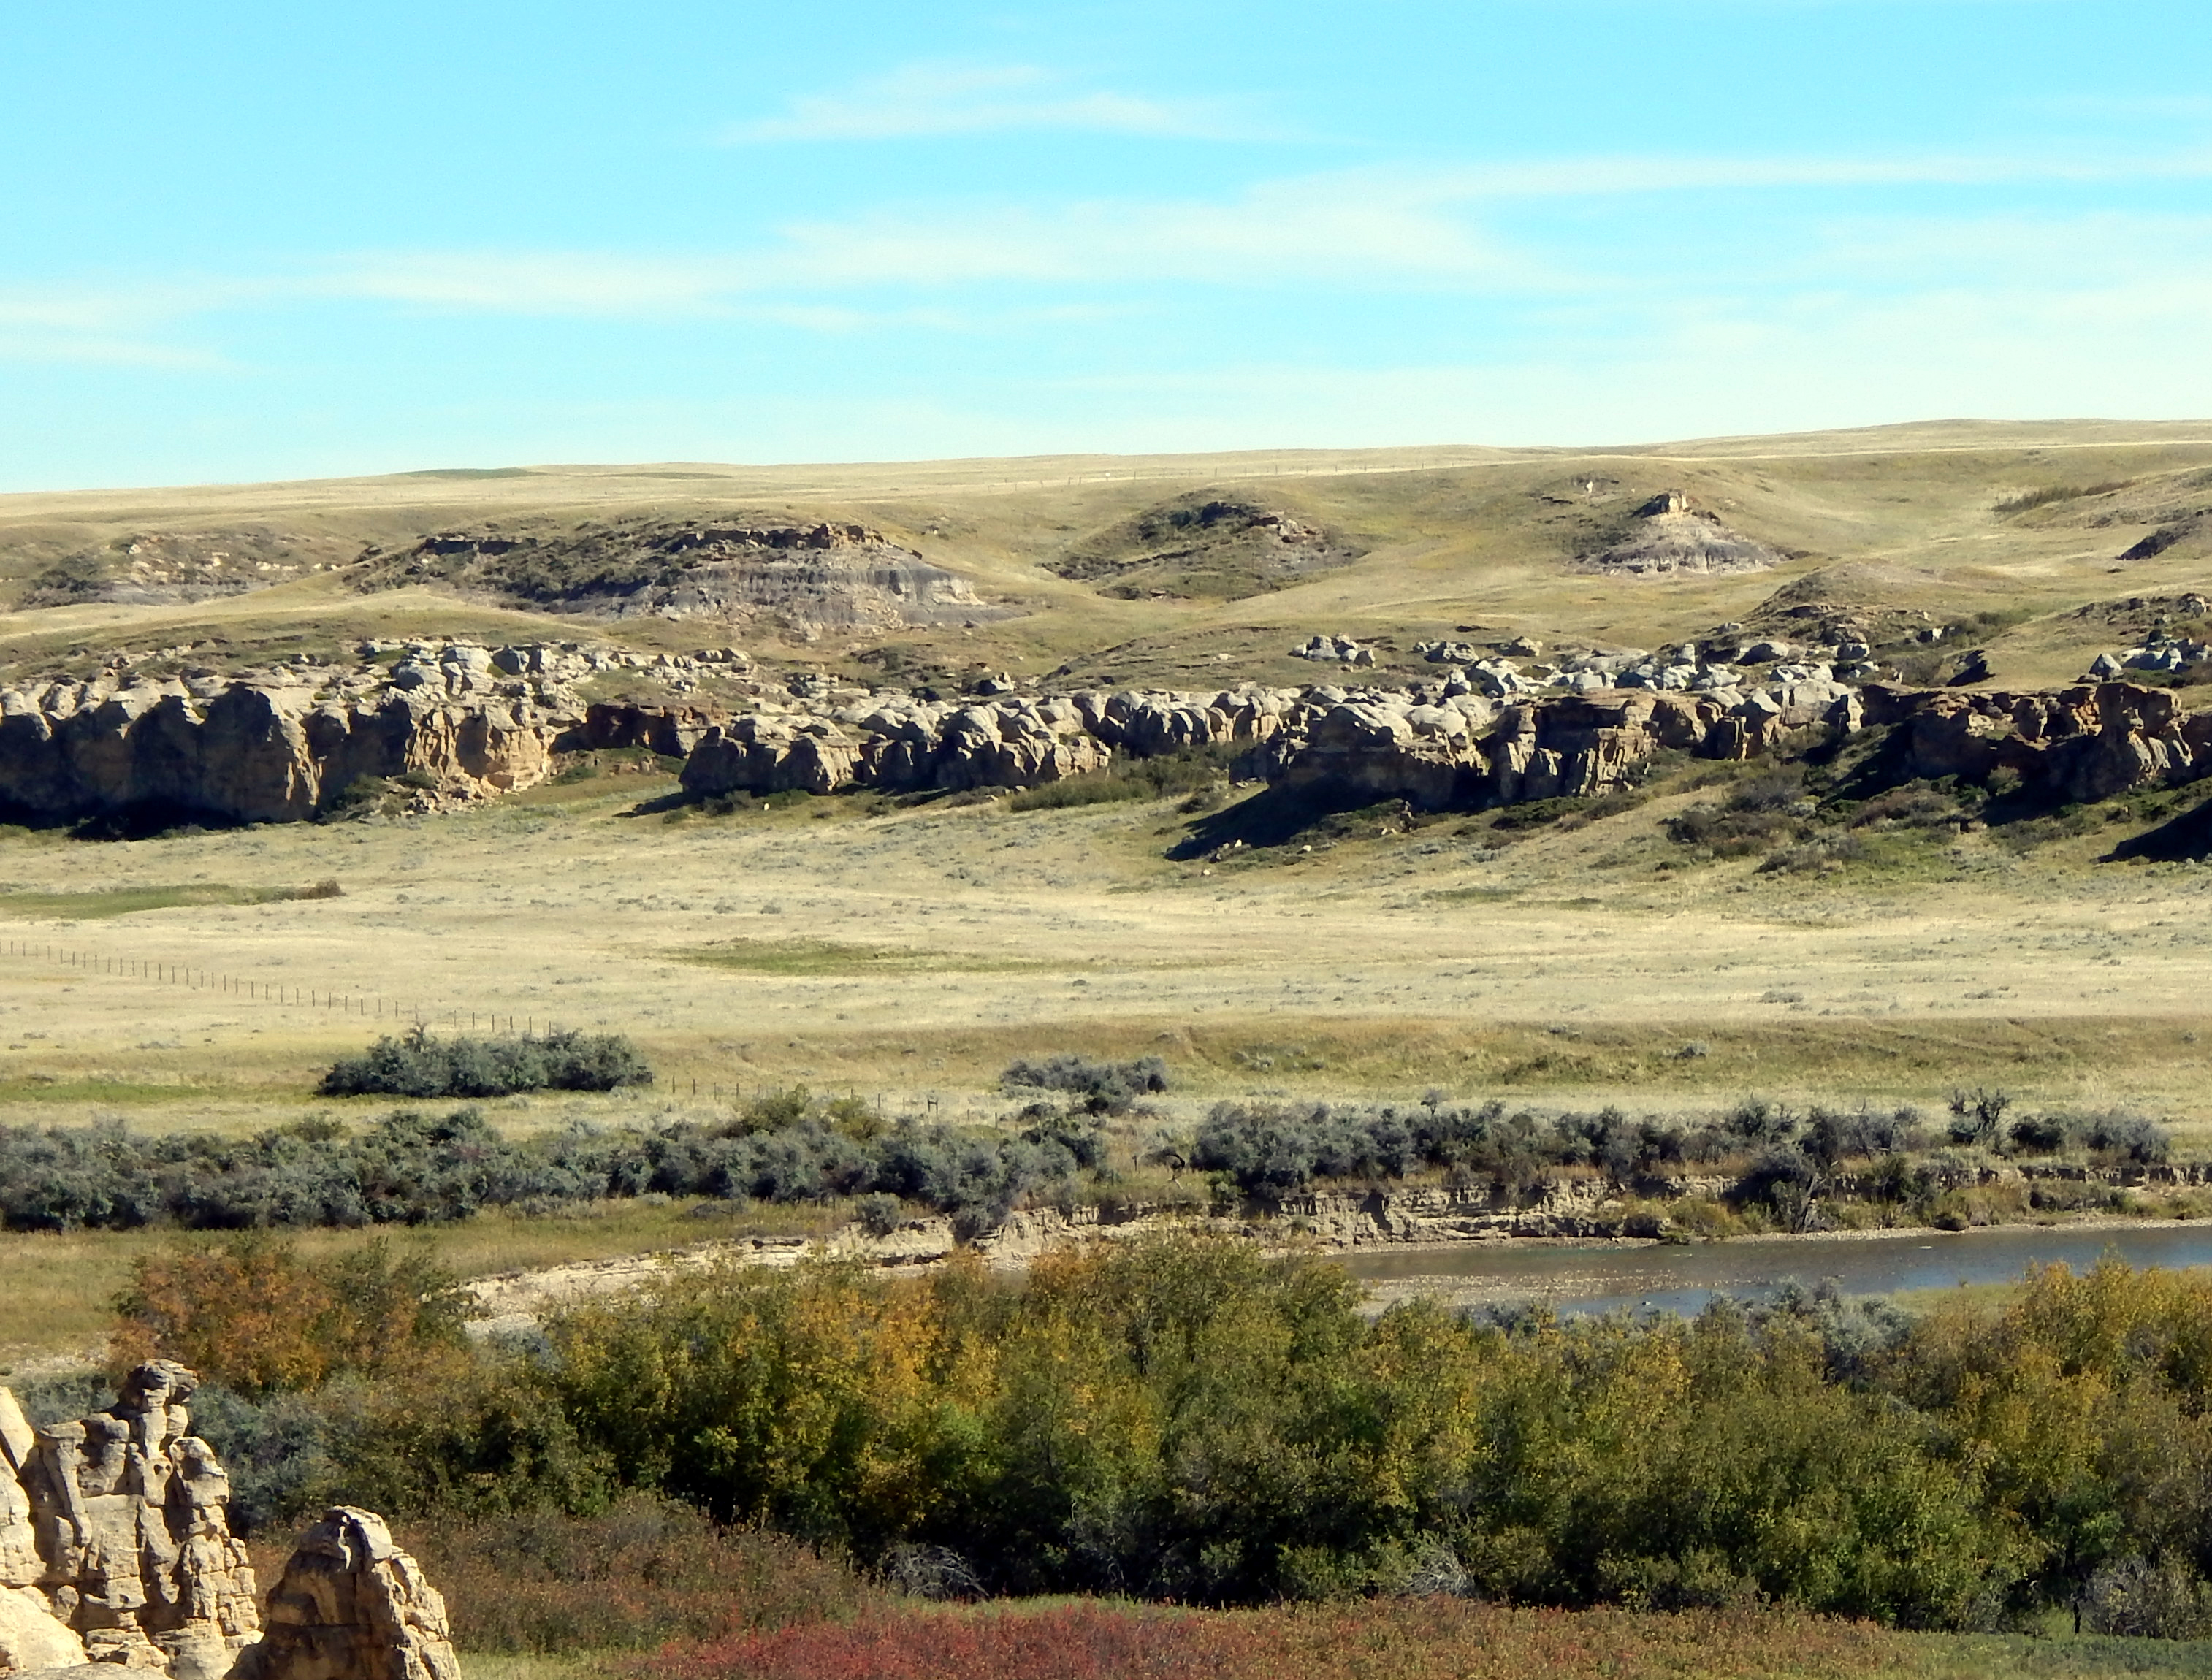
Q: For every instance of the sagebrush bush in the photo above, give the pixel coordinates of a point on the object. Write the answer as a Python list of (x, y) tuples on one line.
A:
[(416, 1065), (1103, 1088)]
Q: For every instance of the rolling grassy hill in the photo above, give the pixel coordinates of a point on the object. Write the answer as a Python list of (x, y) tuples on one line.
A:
[(2018, 534)]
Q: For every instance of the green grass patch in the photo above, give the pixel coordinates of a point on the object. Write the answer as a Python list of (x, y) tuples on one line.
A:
[(105, 902), (827, 956), (62, 1285), (2045, 496), (36, 1088)]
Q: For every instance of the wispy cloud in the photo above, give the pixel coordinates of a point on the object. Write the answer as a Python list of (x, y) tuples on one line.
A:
[(1358, 231), (942, 98), (1599, 176)]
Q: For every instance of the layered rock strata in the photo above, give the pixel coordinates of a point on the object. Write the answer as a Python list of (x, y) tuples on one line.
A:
[(114, 1545), (822, 576), (451, 722), (454, 722)]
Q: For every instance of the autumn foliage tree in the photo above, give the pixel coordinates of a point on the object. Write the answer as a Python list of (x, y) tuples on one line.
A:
[(255, 1314)]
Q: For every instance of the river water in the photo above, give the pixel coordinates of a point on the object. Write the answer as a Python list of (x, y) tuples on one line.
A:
[(1574, 1279)]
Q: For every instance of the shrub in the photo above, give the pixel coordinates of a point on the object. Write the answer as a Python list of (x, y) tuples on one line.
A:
[(879, 1215), (2045, 1134), (1977, 1117), (1105, 1087), (253, 1313), (1194, 1419), (2128, 1138), (1190, 770), (418, 1065), (2142, 1599)]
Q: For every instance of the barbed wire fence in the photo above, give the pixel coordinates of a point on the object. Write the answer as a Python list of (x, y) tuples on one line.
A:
[(374, 1008)]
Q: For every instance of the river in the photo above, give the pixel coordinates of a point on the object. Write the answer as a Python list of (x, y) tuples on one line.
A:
[(1599, 1278)]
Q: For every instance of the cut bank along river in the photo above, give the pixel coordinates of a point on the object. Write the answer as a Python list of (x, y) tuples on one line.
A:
[(1674, 1277)]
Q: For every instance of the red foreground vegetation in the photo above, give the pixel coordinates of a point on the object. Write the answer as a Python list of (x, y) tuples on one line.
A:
[(1413, 1639)]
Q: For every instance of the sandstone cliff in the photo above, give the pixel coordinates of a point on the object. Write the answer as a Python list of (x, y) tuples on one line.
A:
[(1447, 745), (249, 754), (2082, 743), (454, 722), (901, 744)]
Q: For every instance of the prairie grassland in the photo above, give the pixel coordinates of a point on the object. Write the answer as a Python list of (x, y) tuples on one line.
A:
[(909, 953), (915, 952)]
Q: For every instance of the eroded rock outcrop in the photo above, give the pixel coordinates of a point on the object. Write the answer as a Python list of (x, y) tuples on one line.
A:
[(249, 754), (2078, 744), (1459, 744), (902, 743), (1668, 535), (1442, 750), (352, 1606), (830, 575), (114, 1544), (2081, 743)]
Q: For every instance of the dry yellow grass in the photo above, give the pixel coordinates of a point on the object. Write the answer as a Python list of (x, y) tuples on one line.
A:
[(1565, 966), (1900, 516)]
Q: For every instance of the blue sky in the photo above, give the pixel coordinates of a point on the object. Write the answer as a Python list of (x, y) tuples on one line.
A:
[(251, 240)]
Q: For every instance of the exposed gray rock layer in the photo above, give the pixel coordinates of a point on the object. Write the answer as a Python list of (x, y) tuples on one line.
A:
[(825, 576), (1669, 537)]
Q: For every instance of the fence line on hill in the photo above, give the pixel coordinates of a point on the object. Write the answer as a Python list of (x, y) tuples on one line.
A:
[(197, 977), (366, 1006)]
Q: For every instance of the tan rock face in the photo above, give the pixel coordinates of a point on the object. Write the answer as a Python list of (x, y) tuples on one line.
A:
[(115, 1523), (352, 1606), (256, 755), (2085, 743), (2082, 744), (904, 744), (32, 1637)]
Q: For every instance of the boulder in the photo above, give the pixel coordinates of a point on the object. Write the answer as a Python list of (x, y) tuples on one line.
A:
[(352, 1605), (758, 755), (1370, 751)]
